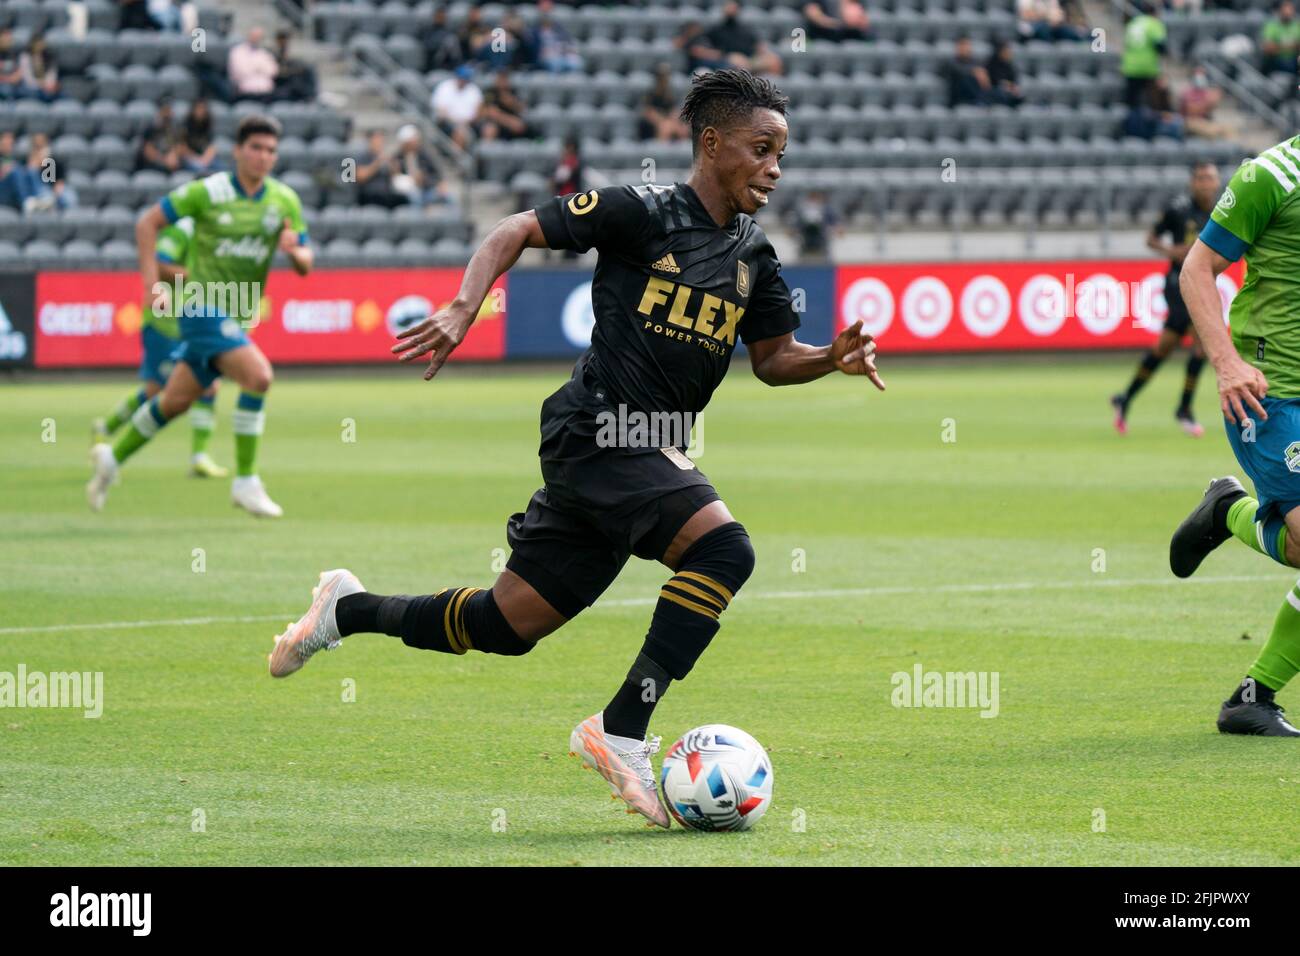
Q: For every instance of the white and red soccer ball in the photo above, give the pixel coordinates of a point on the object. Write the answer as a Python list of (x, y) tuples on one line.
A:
[(716, 777)]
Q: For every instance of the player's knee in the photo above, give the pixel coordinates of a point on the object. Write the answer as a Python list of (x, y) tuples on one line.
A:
[(724, 554), (492, 633), (260, 380)]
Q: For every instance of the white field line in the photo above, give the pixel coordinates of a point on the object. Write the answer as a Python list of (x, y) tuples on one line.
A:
[(992, 588)]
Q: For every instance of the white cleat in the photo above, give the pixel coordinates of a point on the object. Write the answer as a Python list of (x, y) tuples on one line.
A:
[(99, 431), (105, 465), (628, 772), (202, 466), (249, 494), (318, 629)]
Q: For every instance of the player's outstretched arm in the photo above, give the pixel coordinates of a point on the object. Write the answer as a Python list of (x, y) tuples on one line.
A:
[(1241, 385), (783, 361), (439, 334), (147, 226)]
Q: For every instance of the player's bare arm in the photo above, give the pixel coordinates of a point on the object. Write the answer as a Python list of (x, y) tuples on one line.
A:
[(146, 242), (439, 334), (1241, 385), (784, 361), (300, 257)]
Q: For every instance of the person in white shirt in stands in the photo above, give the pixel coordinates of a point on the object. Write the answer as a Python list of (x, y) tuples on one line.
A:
[(252, 68), (456, 105)]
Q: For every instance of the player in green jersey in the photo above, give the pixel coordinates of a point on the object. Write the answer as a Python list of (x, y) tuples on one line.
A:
[(240, 219), (159, 340), (1258, 368)]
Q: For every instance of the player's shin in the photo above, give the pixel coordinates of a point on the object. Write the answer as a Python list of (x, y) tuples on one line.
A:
[(203, 421), (685, 620), (1279, 661), (122, 414), (1150, 362), (248, 423), (145, 423), (453, 621), (1194, 365), (1267, 537)]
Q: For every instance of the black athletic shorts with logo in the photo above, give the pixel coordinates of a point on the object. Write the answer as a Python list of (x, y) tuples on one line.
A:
[(1178, 319), (599, 505)]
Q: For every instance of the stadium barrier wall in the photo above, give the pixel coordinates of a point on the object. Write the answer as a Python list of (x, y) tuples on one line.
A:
[(92, 319)]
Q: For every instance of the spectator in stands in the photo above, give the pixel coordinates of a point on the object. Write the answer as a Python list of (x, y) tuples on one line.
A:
[(197, 148), (166, 15), (836, 20), (1046, 20), (659, 110), (557, 51), (1279, 40), (441, 43), (968, 82), (37, 185), (40, 77), (813, 222), (504, 46), (417, 176), (1003, 75), (1197, 106), (8, 167), (502, 114), (457, 102), (11, 73), (375, 171), (1155, 116), (294, 79), (134, 15), (161, 147), (569, 172), (730, 43), (473, 33), (1144, 44), (252, 68)]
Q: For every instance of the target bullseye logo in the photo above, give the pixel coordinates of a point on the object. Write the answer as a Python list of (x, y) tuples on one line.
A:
[(871, 301), (578, 318), (1100, 303), (985, 306), (927, 307), (1042, 305)]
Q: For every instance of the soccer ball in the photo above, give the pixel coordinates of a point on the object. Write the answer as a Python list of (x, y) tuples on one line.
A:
[(716, 778)]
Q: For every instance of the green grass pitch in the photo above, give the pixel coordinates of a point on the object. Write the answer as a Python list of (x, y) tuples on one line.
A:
[(979, 554)]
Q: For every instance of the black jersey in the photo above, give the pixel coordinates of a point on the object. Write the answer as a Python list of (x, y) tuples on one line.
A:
[(1181, 222), (671, 293)]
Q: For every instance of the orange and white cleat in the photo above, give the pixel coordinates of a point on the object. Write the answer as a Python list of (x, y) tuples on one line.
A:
[(318, 629), (628, 772)]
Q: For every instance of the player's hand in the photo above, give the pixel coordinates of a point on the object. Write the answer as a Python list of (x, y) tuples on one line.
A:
[(437, 336), (1241, 386), (854, 353), (288, 237)]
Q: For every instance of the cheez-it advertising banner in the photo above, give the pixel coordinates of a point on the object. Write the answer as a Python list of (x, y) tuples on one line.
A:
[(345, 315), (967, 307)]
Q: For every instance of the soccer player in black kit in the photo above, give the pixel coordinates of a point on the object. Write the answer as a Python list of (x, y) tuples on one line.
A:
[(683, 273), (1180, 223)]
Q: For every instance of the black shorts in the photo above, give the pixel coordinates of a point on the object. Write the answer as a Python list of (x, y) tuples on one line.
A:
[(1178, 319), (599, 505)]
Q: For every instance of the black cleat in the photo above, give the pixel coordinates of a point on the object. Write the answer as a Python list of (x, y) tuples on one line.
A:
[(1257, 719), (1197, 536)]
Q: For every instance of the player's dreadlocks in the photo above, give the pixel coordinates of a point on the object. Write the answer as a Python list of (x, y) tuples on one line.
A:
[(721, 98)]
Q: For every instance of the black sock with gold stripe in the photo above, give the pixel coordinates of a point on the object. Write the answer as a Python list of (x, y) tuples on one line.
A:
[(685, 619), (453, 621)]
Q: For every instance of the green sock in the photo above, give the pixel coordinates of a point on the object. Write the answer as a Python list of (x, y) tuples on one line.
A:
[(123, 412), (1279, 661), (202, 421), (1241, 522), (248, 421), (146, 421)]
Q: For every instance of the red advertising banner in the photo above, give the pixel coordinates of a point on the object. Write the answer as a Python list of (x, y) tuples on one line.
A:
[(346, 315), (966, 307)]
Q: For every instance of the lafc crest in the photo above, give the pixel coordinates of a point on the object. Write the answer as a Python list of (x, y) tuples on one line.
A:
[(583, 203), (742, 279)]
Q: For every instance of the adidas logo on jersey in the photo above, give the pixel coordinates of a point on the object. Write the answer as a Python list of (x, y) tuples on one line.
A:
[(667, 264)]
